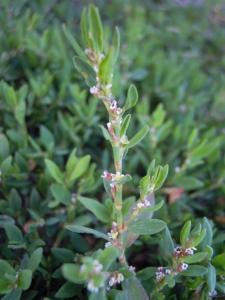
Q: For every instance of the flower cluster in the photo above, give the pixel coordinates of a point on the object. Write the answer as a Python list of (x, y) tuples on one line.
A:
[(161, 273), (92, 269), (116, 278), (113, 234), (180, 252)]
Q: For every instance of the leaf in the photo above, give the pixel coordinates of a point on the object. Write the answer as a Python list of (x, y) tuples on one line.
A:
[(184, 234), (67, 290), (84, 28), (132, 97), (6, 268), (108, 256), (105, 133), (54, 170), (35, 259), (219, 261), (98, 209), (96, 27), (161, 177), (189, 183), (72, 273), (125, 125), (106, 67), (15, 236), (166, 242), (207, 240), (13, 295), (73, 42), (147, 227), (211, 278), (133, 290), (100, 295), (24, 279), (197, 257), (116, 43), (82, 229), (86, 70), (63, 255), (155, 207), (195, 271), (138, 137), (60, 193), (80, 168)]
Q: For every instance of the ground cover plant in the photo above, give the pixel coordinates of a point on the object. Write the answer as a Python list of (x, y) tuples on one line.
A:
[(156, 235)]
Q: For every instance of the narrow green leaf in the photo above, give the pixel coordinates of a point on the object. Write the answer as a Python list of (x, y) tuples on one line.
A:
[(211, 278), (116, 43), (138, 137), (184, 234), (84, 28), (161, 177), (86, 70), (106, 67), (96, 28), (125, 125), (82, 229), (73, 42)]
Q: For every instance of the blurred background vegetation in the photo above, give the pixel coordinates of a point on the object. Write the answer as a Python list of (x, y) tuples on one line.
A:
[(173, 51)]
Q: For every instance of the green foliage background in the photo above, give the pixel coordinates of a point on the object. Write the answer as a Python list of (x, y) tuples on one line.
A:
[(174, 53)]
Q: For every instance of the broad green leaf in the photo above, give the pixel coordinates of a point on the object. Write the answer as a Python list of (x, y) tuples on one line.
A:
[(166, 242), (6, 268), (63, 255), (67, 290), (132, 97), (108, 256), (98, 209), (24, 279), (35, 259), (147, 227), (82, 229), (13, 295), (54, 171), (155, 207), (195, 258), (219, 261), (184, 234), (60, 193), (133, 290), (138, 137), (15, 236), (207, 240), (199, 238), (72, 273), (194, 271), (100, 295)]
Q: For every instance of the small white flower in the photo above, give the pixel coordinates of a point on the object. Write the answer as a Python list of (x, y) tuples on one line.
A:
[(91, 287), (112, 281), (177, 169), (95, 69), (83, 268), (120, 278), (97, 266), (140, 205), (189, 251), (131, 268), (108, 244), (159, 276), (184, 266), (94, 90), (167, 271)]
